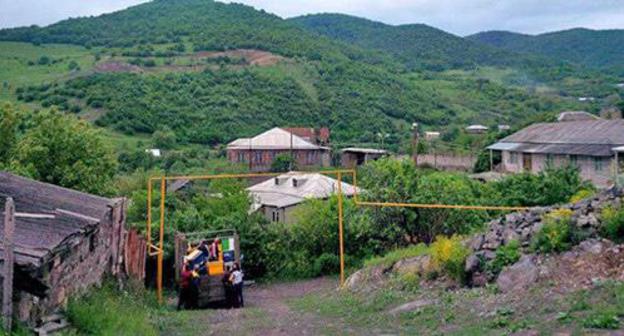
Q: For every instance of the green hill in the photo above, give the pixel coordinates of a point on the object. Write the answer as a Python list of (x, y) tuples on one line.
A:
[(602, 49), (417, 45), (157, 65)]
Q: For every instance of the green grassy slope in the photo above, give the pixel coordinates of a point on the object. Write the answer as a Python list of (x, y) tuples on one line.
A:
[(593, 48), (355, 90)]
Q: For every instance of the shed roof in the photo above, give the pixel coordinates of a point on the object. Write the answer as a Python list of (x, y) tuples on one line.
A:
[(48, 216), (364, 150), (275, 138), (284, 193), (575, 116)]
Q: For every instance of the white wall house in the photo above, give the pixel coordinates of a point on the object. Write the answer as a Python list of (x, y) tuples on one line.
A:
[(587, 144)]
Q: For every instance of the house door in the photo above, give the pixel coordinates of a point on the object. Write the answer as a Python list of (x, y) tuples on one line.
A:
[(527, 161)]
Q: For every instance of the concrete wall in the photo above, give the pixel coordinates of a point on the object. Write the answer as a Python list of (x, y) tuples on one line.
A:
[(286, 215), (588, 166), (447, 161)]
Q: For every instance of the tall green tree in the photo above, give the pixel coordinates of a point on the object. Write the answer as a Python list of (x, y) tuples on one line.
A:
[(61, 150), (8, 131)]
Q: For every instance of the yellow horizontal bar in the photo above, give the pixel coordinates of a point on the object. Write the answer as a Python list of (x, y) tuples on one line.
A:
[(440, 206), (152, 246), (153, 254), (246, 175)]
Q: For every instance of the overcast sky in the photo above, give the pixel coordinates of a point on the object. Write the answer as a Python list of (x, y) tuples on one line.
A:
[(461, 17)]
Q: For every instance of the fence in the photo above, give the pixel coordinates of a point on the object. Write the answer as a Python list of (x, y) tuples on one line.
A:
[(448, 161)]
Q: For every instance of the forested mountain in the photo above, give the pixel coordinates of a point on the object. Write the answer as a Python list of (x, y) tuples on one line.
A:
[(154, 67), (417, 45), (593, 48)]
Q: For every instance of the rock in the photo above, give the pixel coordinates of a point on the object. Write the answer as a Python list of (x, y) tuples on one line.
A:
[(418, 265), (510, 235), (365, 278), (411, 306), (476, 242), (473, 263), (520, 275), (592, 246), (479, 279), (589, 220), (526, 333)]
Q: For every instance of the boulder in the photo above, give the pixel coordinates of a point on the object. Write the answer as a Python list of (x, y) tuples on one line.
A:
[(518, 276), (411, 306), (418, 265), (366, 278)]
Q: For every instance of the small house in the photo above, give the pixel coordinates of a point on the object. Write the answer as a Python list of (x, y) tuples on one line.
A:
[(278, 197), (260, 151), (577, 139), (476, 129), (64, 242), (430, 136), (352, 157)]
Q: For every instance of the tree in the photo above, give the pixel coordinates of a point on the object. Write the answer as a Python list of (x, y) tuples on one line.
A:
[(165, 138), (283, 163), (8, 131), (61, 150)]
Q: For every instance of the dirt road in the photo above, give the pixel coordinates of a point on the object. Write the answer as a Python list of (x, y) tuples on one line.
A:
[(266, 311)]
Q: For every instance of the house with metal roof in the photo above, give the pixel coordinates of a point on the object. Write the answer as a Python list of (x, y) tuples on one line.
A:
[(260, 151), (585, 142), (355, 156), (278, 197)]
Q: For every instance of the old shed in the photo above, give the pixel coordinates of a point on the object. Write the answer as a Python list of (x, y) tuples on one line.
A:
[(64, 242)]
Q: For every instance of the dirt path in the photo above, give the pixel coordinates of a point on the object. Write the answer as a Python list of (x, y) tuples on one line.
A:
[(266, 311)]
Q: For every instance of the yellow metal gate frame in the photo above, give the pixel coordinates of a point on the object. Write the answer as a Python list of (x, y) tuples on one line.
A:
[(158, 250)]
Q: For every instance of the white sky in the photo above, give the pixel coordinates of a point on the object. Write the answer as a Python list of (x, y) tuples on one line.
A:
[(461, 17)]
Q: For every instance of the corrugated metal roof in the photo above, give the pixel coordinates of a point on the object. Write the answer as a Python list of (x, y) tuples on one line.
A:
[(575, 116), (285, 193), (275, 138), (68, 213), (598, 132), (504, 146)]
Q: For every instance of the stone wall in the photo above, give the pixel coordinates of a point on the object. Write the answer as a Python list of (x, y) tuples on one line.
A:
[(521, 226), (82, 263)]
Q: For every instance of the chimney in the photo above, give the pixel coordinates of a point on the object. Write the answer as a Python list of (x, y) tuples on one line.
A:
[(276, 180), (295, 183)]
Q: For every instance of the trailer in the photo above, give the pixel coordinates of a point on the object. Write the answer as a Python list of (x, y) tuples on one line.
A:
[(211, 289)]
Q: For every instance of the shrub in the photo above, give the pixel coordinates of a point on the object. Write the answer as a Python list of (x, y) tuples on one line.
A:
[(582, 194), (602, 320), (557, 234), (448, 254), (505, 255), (393, 256), (613, 223), (283, 163)]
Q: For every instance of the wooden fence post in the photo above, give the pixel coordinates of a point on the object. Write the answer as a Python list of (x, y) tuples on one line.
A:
[(7, 286)]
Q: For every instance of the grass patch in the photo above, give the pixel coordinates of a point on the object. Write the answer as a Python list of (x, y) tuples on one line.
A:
[(393, 256), (108, 311)]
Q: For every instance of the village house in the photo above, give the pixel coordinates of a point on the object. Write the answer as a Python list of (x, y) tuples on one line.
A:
[(64, 242), (577, 138), (278, 197), (317, 136), (260, 151), (352, 157), (476, 129)]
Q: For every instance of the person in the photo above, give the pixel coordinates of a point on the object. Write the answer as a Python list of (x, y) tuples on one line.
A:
[(186, 279), (194, 288), (236, 278), (228, 288), (213, 251)]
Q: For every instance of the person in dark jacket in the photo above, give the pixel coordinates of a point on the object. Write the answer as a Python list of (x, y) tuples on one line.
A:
[(186, 282), (228, 288)]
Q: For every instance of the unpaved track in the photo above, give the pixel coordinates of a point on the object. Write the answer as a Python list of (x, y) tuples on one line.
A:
[(267, 311)]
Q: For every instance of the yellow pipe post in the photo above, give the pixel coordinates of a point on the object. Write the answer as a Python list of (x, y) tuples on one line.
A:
[(149, 215), (159, 279), (340, 229), (355, 187)]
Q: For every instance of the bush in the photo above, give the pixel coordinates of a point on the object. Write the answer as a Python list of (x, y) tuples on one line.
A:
[(393, 256), (283, 163), (613, 223), (602, 320), (448, 254), (505, 255), (557, 234), (582, 194)]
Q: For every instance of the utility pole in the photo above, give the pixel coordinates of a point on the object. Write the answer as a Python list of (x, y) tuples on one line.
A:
[(415, 139), (7, 285)]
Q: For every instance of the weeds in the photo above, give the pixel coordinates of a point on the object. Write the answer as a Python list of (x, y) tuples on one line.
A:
[(449, 255), (505, 255), (613, 223), (557, 234)]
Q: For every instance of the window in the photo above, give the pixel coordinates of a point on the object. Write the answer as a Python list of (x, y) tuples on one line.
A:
[(513, 157), (311, 157), (241, 157), (598, 164), (574, 160), (550, 160), (258, 157), (276, 216)]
